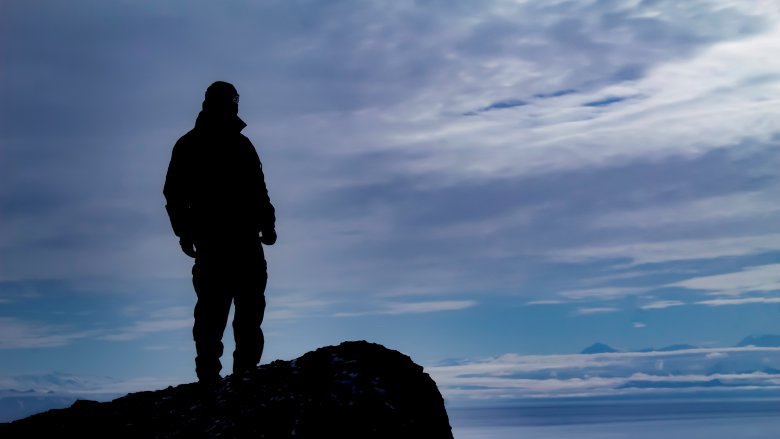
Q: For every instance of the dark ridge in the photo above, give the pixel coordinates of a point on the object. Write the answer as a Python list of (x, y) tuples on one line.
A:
[(354, 390)]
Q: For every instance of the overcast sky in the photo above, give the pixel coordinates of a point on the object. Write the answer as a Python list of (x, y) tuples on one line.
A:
[(453, 179)]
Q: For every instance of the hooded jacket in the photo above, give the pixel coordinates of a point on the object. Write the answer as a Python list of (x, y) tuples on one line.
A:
[(215, 188)]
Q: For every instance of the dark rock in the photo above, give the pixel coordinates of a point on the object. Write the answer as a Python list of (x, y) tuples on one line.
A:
[(353, 390)]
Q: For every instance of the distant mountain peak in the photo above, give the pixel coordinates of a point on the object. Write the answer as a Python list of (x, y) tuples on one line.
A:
[(761, 340), (598, 348)]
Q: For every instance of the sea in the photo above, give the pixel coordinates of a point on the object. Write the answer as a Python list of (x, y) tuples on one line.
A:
[(707, 419)]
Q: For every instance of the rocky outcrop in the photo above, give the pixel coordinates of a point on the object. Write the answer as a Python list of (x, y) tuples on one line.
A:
[(353, 390)]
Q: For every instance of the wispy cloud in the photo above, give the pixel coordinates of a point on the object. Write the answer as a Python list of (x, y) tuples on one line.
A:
[(661, 304), (743, 205), (606, 293), (434, 306), (545, 302), (169, 319), (414, 308), (742, 301), (595, 310), (671, 251), (289, 306), (761, 278), (23, 334)]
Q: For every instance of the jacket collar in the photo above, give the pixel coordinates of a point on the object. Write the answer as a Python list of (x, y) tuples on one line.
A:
[(209, 121)]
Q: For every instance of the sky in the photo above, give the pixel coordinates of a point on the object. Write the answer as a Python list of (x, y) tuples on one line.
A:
[(482, 185)]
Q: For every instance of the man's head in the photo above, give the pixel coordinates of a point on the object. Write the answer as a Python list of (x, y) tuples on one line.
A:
[(222, 98)]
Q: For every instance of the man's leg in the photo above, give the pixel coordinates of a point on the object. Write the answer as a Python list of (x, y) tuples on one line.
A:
[(249, 311), (211, 314)]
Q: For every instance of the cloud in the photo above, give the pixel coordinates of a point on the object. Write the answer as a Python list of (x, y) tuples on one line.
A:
[(533, 140), (434, 306), (414, 308), (661, 304), (718, 208), (671, 251), (164, 320), (16, 293), (763, 278), (716, 355), (294, 306), (639, 325), (606, 293), (742, 301), (545, 302), (632, 275), (22, 334), (595, 310)]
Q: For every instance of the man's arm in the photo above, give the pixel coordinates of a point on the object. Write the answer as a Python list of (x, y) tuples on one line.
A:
[(266, 211), (267, 214), (176, 191)]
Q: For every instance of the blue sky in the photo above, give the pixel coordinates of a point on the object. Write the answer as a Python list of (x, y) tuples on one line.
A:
[(480, 181)]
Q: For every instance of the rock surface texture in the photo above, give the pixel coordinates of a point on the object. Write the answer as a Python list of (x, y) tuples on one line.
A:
[(354, 390)]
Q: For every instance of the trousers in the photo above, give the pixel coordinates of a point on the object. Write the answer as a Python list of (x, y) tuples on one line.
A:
[(228, 274)]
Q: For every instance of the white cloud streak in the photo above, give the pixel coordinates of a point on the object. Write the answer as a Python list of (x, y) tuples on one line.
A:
[(749, 205), (595, 310), (661, 304), (164, 320), (763, 278), (742, 301), (545, 302), (673, 251), (414, 308), (606, 293), (22, 334)]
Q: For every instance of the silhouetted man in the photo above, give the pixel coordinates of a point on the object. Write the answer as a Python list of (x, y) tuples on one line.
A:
[(219, 208)]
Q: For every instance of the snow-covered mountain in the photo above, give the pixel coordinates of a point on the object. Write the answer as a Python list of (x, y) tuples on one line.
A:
[(598, 348)]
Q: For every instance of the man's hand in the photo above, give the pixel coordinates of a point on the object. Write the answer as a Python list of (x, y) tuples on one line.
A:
[(188, 247), (269, 237)]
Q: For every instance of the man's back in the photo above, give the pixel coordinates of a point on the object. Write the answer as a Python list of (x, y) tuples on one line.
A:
[(217, 174)]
